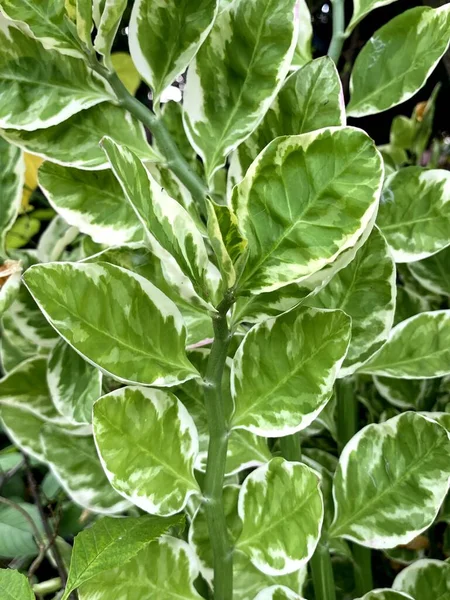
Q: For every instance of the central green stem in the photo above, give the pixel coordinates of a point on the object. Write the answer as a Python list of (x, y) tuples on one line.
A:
[(338, 37), (217, 455)]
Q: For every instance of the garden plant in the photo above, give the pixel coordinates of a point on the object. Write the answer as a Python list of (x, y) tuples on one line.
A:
[(226, 356)]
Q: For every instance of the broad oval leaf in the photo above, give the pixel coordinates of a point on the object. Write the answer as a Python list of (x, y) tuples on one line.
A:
[(365, 290), (75, 463), (74, 384), (93, 202), (361, 8), (414, 213), (265, 33), (110, 543), (40, 88), (284, 370), (15, 586), (385, 594), (295, 222), (155, 475), (433, 273), (178, 28), (12, 176), (47, 22), (398, 59), (108, 331), (426, 579), (418, 348), (75, 142), (281, 538), (174, 570), (391, 480)]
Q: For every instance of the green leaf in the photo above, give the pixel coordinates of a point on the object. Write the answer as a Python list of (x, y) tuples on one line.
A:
[(365, 290), (361, 8), (12, 175), (284, 370), (108, 332), (425, 580), (433, 273), (385, 594), (163, 218), (155, 475), (126, 71), (403, 393), (277, 592), (22, 232), (173, 569), (293, 221), (417, 38), (111, 543), (303, 49), (243, 66), (75, 142), (418, 348), (47, 23), (74, 384), (310, 99), (108, 24), (74, 461), (15, 586), (281, 538), (16, 533), (178, 27), (108, 220), (40, 88), (391, 480), (414, 213)]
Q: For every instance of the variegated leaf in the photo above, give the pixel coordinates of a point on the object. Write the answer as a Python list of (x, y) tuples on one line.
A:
[(310, 99), (48, 87), (277, 592), (414, 213), (385, 594), (84, 21), (361, 8), (93, 202), (411, 44), (303, 48), (12, 173), (293, 221), (284, 370), (283, 537), (391, 480), (75, 142), (163, 218), (418, 348), (10, 275), (47, 22), (265, 31), (109, 332), (74, 384), (178, 28), (425, 579), (175, 568), (75, 463), (403, 393), (108, 24), (155, 475), (366, 292), (433, 273)]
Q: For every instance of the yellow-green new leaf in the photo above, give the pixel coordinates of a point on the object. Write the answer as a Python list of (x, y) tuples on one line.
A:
[(74, 384), (414, 213), (365, 290), (177, 29), (391, 480), (12, 175), (47, 22), (74, 462), (304, 201), (153, 466), (15, 586), (126, 71), (99, 310), (433, 273), (165, 569), (281, 538), (40, 88), (93, 202), (246, 81), (425, 579), (361, 8), (75, 142), (110, 543), (398, 59), (284, 370), (385, 594), (108, 24), (418, 348)]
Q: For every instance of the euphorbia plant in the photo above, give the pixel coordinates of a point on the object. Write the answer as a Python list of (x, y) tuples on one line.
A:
[(202, 307)]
